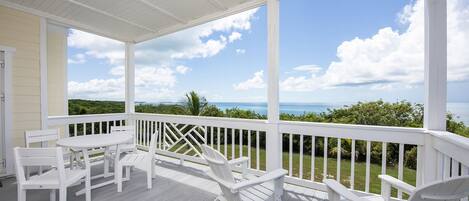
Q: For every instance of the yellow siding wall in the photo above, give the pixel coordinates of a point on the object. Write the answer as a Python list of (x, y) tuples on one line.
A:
[(21, 31)]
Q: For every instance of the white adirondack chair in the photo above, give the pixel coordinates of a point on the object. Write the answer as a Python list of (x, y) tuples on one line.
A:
[(56, 178), (452, 189), (266, 187), (142, 161), (42, 137)]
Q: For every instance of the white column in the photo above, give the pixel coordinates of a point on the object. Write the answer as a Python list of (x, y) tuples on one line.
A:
[(43, 71), (130, 82), (129, 78), (273, 138), (435, 80)]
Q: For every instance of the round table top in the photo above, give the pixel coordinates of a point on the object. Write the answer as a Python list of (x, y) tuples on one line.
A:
[(94, 141)]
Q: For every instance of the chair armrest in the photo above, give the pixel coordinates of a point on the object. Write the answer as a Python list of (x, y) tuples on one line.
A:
[(336, 188), (238, 161), (243, 162), (276, 174), (396, 183)]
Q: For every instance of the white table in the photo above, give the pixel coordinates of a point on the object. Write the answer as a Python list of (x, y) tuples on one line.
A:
[(86, 142)]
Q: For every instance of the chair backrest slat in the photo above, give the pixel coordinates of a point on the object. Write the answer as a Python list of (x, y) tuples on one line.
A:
[(130, 130), (38, 157), (152, 148), (42, 136)]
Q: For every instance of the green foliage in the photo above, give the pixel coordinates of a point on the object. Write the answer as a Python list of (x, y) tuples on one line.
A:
[(161, 109), (194, 103), (243, 114), (80, 107), (212, 111)]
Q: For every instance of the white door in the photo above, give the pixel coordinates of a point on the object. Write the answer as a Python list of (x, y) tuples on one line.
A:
[(2, 113)]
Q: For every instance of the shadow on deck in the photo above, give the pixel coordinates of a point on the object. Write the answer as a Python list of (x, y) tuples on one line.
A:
[(174, 182)]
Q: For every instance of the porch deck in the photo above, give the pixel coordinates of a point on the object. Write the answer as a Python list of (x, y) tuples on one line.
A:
[(174, 182)]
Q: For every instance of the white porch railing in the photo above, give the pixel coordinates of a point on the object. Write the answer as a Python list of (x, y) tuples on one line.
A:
[(452, 154), (181, 136)]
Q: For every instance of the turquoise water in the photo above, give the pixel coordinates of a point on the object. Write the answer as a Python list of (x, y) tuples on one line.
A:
[(460, 110)]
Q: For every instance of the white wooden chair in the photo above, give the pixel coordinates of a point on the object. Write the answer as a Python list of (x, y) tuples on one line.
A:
[(43, 138), (128, 147), (452, 189), (129, 130), (56, 178), (266, 187), (142, 161)]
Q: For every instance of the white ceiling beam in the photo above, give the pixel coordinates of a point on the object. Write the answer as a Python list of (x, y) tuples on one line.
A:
[(164, 11), (218, 15), (65, 22), (112, 15), (217, 4)]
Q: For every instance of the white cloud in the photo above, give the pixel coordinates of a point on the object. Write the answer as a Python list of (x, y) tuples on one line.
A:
[(308, 68), (193, 42), (156, 69), (240, 51), (183, 69), (256, 82), (97, 46), (234, 36), (151, 79), (390, 57), (77, 59)]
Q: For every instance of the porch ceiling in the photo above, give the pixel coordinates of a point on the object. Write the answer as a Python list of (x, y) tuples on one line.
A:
[(132, 20)]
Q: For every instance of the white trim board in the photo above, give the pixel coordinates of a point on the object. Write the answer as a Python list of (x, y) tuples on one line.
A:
[(8, 131)]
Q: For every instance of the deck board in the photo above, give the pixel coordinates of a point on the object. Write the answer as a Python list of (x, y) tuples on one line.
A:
[(174, 182)]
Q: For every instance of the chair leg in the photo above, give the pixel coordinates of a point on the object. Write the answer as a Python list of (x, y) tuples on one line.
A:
[(127, 172), (63, 194), (27, 173), (52, 195), (118, 175), (149, 179), (88, 186), (21, 194), (106, 164)]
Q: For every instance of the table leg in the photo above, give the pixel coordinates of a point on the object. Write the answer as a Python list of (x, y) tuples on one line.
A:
[(106, 162)]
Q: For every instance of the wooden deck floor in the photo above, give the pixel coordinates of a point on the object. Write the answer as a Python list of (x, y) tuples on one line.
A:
[(174, 182)]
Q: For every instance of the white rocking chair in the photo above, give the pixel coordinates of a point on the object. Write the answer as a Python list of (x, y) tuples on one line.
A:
[(266, 187), (449, 190)]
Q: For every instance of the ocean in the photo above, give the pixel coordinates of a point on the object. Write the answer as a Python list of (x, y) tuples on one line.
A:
[(460, 110)]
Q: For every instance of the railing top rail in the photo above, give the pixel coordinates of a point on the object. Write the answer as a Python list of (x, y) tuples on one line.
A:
[(253, 124), (71, 119), (451, 138), (354, 126), (203, 117), (452, 145), (359, 132)]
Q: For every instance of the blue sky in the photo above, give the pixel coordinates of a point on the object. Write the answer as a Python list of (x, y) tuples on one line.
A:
[(330, 51)]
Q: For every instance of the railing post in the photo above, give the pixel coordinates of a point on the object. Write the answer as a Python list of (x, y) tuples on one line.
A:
[(273, 138), (130, 82), (435, 81)]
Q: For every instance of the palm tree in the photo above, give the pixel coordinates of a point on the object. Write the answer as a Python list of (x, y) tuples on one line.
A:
[(195, 103)]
